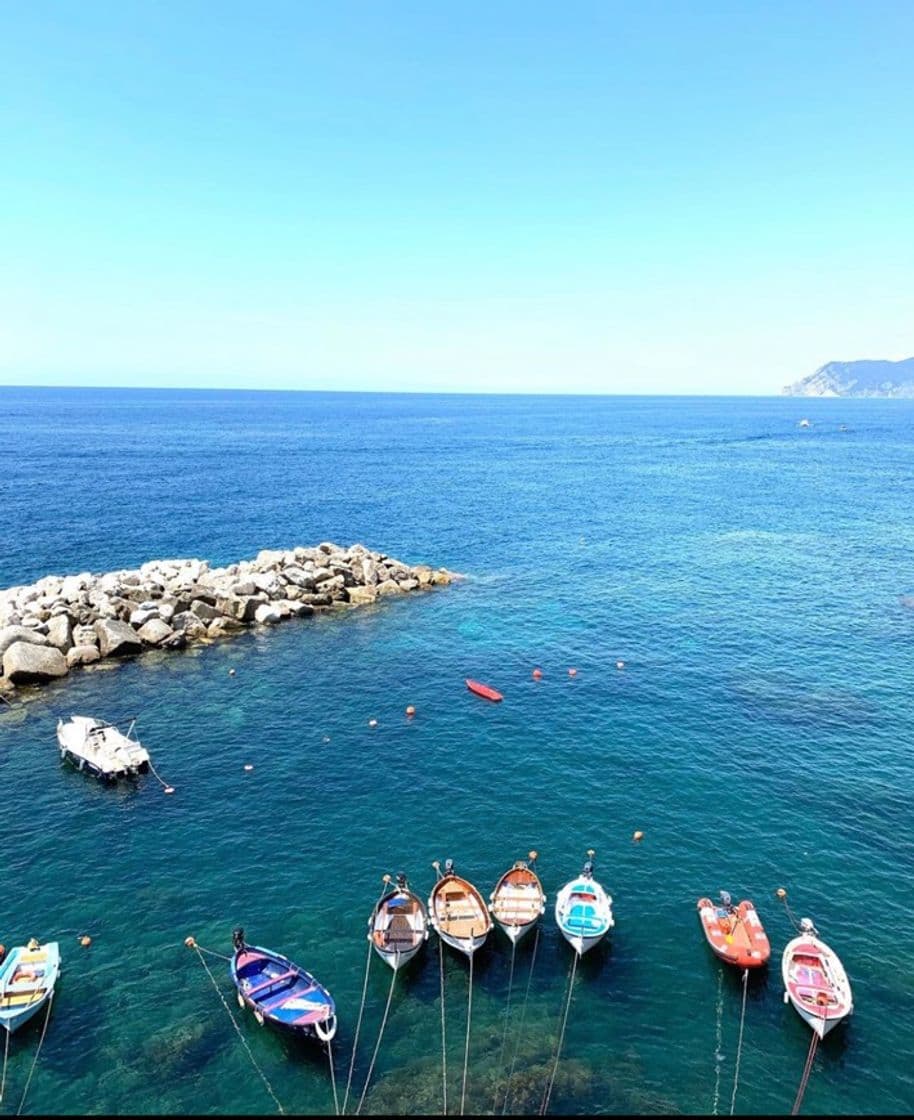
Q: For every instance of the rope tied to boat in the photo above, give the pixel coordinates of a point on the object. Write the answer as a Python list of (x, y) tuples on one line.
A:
[(6, 1054), (466, 1045), (358, 1027), (520, 1026), (437, 867), (807, 1070), (47, 1016), (336, 1099), (166, 788), (558, 1049), (504, 1033), (739, 1045), (191, 943), (377, 1045), (718, 1039)]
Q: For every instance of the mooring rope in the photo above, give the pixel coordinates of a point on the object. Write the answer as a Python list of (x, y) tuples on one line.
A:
[(37, 1052), (739, 1045), (439, 876), (466, 1046), (718, 1039), (377, 1045), (336, 1099), (558, 1048), (504, 1033), (6, 1054), (192, 944), (520, 1026), (807, 1070), (165, 786), (358, 1026)]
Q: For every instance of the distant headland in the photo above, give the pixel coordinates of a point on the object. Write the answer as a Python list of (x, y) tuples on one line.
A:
[(857, 379), (61, 622)]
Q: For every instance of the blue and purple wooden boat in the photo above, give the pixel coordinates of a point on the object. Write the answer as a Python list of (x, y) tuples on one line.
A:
[(281, 993)]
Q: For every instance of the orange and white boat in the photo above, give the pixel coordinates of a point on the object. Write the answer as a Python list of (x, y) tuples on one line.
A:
[(518, 900), (815, 981), (735, 933)]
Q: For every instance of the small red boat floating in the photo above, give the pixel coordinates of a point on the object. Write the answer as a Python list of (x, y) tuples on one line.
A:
[(735, 933), (483, 690)]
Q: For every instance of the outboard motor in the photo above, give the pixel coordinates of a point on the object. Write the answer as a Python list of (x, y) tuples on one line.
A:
[(401, 880), (726, 899), (806, 926), (449, 867), (588, 868), (238, 938)]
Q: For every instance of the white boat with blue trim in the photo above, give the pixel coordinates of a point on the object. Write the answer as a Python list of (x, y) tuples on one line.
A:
[(583, 910), (27, 978)]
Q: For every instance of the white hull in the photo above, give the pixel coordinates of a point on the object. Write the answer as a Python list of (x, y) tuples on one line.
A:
[(582, 944), (100, 748), (467, 945), (397, 960), (583, 903), (515, 933), (824, 1019)]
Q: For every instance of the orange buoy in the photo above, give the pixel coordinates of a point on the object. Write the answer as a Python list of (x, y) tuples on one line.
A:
[(638, 836), (410, 710), (572, 672), (190, 943), (537, 673), (85, 941)]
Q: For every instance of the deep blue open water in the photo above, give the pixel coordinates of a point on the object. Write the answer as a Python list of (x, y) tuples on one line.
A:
[(749, 573)]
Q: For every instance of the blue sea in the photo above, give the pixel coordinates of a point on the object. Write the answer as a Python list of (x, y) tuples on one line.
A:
[(749, 573)]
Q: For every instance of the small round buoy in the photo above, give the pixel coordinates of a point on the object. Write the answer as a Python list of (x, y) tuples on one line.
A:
[(231, 672), (620, 664), (781, 893), (169, 789), (638, 835), (537, 673), (85, 941), (572, 672), (372, 723), (190, 943), (326, 739), (248, 766), (410, 710)]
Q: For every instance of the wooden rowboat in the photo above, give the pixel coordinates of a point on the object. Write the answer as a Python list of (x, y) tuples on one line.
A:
[(458, 912), (518, 900), (27, 978), (815, 981), (735, 933), (398, 926), (279, 992), (483, 690)]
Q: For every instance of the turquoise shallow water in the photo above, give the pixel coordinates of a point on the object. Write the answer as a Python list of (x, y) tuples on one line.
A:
[(749, 573)]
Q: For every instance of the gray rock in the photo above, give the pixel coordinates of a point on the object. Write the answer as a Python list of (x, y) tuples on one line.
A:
[(302, 610), (117, 639), (203, 610), (240, 608), (11, 634), (360, 595), (389, 587), (244, 589), (60, 631), (82, 655), (408, 584), (26, 663), (267, 613), (189, 625), (84, 636), (154, 632), (142, 615)]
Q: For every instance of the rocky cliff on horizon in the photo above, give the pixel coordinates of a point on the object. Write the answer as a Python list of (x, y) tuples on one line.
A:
[(857, 379)]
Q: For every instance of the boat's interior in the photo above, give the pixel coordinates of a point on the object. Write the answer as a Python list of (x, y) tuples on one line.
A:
[(518, 899), (399, 923), (459, 910)]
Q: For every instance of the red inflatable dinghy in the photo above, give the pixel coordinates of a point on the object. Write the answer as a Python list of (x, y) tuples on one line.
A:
[(483, 690)]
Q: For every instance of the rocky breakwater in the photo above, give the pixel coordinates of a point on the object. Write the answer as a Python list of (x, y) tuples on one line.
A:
[(61, 622)]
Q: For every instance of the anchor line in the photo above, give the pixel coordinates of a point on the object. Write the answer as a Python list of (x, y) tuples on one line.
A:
[(520, 1026), (37, 1052), (244, 1043), (6, 1054), (466, 1047), (807, 1070), (504, 1033), (336, 1099), (377, 1045), (358, 1026), (739, 1045), (718, 1057), (561, 1039), (160, 780), (441, 974)]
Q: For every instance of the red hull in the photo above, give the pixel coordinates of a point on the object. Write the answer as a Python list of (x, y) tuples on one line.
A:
[(483, 690)]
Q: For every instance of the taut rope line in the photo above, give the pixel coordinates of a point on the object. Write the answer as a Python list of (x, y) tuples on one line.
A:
[(193, 945), (466, 1047), (504, 1033), (718, 1056), (739, 1045), (558, 1048), (520, 1026), (37, 1052), (807, 1070), (377, 1045)]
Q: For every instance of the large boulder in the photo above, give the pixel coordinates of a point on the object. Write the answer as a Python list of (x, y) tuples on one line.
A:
[(11, 634), (359, 595), (239, 607), (82, 655), (388, 587), (204, 610), (267, 613), (189, 625), (116, 638), (60, 631), (26, 663), (154, 632)]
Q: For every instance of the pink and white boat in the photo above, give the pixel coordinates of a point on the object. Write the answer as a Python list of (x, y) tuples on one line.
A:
[(815, 981)]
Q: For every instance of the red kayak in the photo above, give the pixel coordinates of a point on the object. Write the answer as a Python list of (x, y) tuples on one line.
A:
[(483, 690)]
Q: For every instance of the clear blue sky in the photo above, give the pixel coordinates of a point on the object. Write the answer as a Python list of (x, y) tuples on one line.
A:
[(691, 197)]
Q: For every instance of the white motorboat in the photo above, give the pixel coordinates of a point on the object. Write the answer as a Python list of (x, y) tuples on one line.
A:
[(583, 910), (93, 745)]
